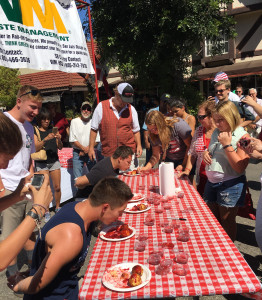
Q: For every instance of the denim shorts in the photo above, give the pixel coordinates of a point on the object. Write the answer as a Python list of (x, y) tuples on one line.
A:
[(43, 166), (229, 193)]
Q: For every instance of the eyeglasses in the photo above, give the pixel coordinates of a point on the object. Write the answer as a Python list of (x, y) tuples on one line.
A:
[(32, 92), (220, 91), (86, 108), (201, 117)]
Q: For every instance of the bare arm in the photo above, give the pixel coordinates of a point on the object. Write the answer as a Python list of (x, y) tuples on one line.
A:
[(257, 107), (139, 149), (92, 141), (238, 160), (81, 182), (12, 245), (64, 243), (154, 158), (187, 142), (192, 124), (146, 140)]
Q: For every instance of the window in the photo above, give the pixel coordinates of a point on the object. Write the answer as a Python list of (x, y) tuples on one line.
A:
[(221, 45)]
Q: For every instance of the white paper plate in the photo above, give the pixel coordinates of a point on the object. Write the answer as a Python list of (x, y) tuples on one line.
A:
[(128, 174), (130, 205), (138, 199), (146, 277), (105, 230)]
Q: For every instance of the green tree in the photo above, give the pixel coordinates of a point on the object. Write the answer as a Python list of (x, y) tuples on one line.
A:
[(9, 85), (154, 39)]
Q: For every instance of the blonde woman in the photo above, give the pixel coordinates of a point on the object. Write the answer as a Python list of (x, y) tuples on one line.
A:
[(226, 163), (170, 136)]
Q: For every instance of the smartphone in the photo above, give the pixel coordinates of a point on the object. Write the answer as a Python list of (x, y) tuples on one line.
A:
[(244, 142), (37, 180), (55, 130)]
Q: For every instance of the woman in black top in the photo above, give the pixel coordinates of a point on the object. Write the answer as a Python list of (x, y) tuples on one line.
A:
[(51, 142)]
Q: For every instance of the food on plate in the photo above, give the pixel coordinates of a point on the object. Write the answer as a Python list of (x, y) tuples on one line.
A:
[(119, 232), (135, 280), (137, 269), (139, 207), (123, 277), (133, 172), (137, 197)]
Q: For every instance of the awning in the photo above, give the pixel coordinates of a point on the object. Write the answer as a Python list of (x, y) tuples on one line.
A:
[(238, 69)]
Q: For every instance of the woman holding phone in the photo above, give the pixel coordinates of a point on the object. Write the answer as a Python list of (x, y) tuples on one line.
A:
[(50, 140)]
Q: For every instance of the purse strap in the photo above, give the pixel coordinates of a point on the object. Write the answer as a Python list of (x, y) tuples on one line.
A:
[(38, 133)]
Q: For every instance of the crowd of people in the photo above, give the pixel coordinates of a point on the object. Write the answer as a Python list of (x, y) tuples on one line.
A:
[(217, 152)]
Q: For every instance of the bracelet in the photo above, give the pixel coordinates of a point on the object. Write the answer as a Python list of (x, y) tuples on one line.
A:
[(188, 169), (33, 215), (36, 219), (2, 189), (40, 205), (227, 146), (41, 215)]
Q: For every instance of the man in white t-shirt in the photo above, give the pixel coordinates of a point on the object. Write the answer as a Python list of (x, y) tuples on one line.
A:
[(254, 128), (27, 106), (79, 138)]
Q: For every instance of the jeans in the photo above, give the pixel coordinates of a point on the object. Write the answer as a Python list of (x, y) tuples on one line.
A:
[(78, 163)]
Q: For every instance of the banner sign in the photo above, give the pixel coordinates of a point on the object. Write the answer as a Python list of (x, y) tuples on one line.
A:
[(42, 35)]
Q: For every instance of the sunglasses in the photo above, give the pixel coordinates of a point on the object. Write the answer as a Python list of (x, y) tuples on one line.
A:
[(86, 108), (220, 91), (201, 117), (238, 91), (32, 92)]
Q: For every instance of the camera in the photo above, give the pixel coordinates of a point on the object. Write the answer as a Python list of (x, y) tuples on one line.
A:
[(244, 142), (37, 180)]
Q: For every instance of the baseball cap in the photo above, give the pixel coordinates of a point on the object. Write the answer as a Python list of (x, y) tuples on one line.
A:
[(85, 103), (165, 97), (220, 76), (126, 92)]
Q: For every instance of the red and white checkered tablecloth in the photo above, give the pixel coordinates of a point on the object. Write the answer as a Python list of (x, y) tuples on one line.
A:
[(215, 264), (65, 156)]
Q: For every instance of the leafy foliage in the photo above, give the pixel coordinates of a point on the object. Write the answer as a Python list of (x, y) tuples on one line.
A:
[(9, 85), (153, 40)]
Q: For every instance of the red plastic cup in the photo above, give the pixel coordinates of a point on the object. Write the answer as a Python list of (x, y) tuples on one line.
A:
[(159, 210), (149, 220), (157, 250), (162, 270), (140, 246), (183, 237), (166, 263), (167, 206), (181, 258), (142, 237), (154, 259), (180, 194), (180, 270), (168, 228)]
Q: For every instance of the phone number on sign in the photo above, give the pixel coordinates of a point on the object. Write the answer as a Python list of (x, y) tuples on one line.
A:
[(15, 59)]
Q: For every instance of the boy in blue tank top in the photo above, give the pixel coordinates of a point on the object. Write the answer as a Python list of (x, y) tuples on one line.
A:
[(63, 246)]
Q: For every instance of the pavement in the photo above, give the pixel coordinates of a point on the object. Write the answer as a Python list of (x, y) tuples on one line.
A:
[(245, 242)]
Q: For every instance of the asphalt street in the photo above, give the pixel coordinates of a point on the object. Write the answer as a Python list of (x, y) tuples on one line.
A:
[(245, 242)]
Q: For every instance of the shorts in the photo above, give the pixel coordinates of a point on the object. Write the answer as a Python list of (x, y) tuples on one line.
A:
[(228, 193), (43, 166), (14, 215)]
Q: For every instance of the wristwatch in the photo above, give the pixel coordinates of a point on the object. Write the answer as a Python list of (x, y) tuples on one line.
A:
[(33, 215)]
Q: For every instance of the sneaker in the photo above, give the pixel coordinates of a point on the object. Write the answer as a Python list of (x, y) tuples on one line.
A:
[(47, 216), (57, 209)]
